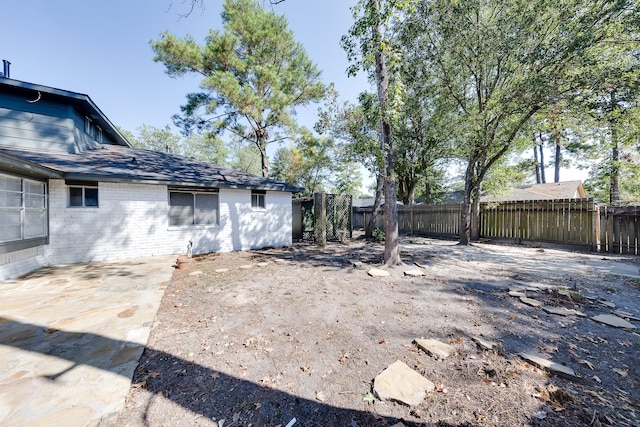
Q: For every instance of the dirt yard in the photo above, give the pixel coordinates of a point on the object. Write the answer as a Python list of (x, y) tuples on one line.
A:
[(296, 336)]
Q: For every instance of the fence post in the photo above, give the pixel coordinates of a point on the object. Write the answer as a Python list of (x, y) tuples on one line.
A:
[(320, 218), (595, 226)]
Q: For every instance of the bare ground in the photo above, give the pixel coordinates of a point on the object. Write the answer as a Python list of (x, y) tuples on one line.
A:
[(296, 336)]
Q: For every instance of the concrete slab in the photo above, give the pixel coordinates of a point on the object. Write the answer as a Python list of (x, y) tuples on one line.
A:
[(532, 302), (71, 338), (377, 272), (435, 348), (615, 321), (400, 383), (550, 365)]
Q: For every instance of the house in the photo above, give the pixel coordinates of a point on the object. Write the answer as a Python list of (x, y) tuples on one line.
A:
[(73, 189), (547, 191)]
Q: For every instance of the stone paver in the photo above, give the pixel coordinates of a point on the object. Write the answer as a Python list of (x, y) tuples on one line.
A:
[(414, 272), (377, 272), (562, 311), (402, 384), (484, 344), (550, 365), (615, 321), (532, 302), (435, 348), (627, 315), (71, 338)]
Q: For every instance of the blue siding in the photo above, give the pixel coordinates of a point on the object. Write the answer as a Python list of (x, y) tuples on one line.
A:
[(41, 125)]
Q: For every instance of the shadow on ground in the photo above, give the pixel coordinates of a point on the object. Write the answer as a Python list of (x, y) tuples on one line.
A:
[(199, 389)]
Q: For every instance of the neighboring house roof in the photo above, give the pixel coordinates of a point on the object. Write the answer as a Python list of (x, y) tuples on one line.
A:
[(549, 191), (81, 101), (112, 163)]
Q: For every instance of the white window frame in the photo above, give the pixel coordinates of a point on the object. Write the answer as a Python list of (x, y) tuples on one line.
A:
[(25, 240), (194, 207), (258, 200)]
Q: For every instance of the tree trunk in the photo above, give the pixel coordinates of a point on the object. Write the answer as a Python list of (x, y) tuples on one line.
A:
[(427, 193), (465, 217), (541, 148), (371, 224), (391, 247), (262, 147), (614, 191), (558, 159), (535, 157)]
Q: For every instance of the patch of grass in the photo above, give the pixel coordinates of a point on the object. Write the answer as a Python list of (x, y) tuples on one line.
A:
[(378, 234)]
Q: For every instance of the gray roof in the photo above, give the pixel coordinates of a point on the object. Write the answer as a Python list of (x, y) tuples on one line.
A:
[(112, 163)]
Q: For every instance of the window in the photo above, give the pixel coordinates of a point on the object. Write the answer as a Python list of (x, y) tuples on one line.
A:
[(23, 209), (188, 208), (99, 134), (83, 195), (257, 199)]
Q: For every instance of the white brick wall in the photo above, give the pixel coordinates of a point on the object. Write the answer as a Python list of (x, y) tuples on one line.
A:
[(132, 221)]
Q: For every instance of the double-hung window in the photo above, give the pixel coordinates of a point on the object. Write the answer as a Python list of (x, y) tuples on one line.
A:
[(23, 209), (193, 208), (82, 195), (258, 200)]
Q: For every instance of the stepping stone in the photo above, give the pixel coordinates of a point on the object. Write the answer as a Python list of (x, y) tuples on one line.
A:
[(548, 364), (615, 321), (376, 272), (246, 266), (626, 315), (262, 264), (484, 344), (402, 384), (564, 292), (560, 311), (222, 270), (355, 263), (414, 273), (532, 302), (196, 273), (435, 348), (517, 294), (607, 304)]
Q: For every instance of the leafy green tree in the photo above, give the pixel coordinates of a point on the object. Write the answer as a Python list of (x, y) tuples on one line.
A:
[(369, 47), (307, 164), (206, 147), (254, 76), (501, 61)]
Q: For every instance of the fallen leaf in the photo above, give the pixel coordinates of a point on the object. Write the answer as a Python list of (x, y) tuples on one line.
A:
[(622, 372), (597, 396), (382, 341), (369, 398), (588, 364)]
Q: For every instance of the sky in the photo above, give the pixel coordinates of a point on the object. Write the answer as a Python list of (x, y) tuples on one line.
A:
[(101, 48)]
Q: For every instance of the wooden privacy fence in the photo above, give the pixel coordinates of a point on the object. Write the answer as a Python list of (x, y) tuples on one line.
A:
[(566, 221), (576, 222), (620, 229)]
